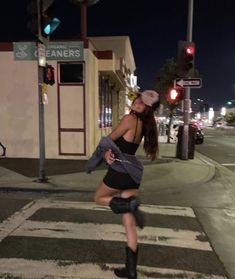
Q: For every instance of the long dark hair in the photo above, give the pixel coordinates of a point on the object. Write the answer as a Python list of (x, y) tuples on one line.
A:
[(149, 131)]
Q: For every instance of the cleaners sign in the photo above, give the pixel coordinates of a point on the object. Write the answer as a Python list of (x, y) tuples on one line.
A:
[(54, 51)]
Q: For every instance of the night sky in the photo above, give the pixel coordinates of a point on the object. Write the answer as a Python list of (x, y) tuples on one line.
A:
[(154, 28)]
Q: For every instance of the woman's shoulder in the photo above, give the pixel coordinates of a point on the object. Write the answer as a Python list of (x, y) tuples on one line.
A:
[(129, 118)]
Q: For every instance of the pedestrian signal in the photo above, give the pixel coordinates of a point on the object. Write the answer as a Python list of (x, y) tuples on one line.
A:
[(174, 96), (49, 75)]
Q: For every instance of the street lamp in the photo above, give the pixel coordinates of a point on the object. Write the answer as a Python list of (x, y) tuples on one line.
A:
[(83, 9), (87, 2), (230, 102)]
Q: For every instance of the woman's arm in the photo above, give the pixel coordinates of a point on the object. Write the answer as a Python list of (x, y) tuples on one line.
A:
[(122, 127)]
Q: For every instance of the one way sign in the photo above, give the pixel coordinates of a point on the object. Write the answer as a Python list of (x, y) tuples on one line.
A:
[(188, 82)]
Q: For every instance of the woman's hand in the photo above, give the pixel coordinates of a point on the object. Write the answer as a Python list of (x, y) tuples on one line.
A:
[(109, 157)]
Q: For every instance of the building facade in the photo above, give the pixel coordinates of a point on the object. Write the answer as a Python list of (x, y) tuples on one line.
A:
[(86, 101)]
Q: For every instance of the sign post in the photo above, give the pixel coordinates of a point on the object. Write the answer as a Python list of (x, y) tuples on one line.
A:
[(41, 62), (185, 139)]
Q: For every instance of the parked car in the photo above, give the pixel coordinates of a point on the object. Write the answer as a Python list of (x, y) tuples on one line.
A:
[(199, 135)]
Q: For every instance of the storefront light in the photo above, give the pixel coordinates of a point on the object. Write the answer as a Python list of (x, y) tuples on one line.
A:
[(211, 114), (223, 111)]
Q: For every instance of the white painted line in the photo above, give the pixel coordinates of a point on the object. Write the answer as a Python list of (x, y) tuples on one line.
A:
[(13, 222), (231, 164), (176, 273), (168, 210), (231, 154), (206, 161), (211, 144), (29, 269), (151, 209), (113, 232)]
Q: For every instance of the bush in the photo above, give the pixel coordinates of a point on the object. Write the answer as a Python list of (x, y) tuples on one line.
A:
[(230, 117)]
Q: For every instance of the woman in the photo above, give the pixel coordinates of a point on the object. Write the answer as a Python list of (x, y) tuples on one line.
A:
[(127, 136)]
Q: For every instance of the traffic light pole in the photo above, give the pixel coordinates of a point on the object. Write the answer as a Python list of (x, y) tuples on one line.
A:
[(187, 100), (42, 177)]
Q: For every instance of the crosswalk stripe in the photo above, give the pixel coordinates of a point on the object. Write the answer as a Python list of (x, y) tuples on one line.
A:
[(113, 232), (25, 230), (14, 221), (151, 209), (68, 269)]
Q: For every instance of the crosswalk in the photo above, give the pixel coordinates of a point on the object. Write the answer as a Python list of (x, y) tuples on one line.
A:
[(67, 239)]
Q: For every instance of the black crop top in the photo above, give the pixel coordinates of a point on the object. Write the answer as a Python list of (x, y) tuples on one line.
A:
[(126, 146)]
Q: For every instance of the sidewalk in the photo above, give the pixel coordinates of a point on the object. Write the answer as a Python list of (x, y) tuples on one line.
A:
[(165, 171)]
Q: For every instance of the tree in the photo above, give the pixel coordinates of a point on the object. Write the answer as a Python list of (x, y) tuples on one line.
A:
[(164, 82), (230, 117), (165, 78)]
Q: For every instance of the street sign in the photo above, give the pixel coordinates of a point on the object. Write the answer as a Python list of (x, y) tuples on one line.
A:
[(53, 51), (188, 82)]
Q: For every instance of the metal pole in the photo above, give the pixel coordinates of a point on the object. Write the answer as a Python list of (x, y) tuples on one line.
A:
[(187, 101), (42, 177), (83, 21)]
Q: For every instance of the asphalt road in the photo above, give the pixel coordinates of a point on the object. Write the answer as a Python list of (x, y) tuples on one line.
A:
[(45, 236), (219, 145), (67, 236)]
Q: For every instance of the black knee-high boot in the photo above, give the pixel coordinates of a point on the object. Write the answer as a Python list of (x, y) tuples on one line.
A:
[(129, 271), (124, 205)]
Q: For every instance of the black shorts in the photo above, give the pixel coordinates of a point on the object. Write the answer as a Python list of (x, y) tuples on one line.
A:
[(119, 180)]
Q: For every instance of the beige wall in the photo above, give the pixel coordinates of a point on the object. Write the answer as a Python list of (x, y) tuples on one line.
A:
[(92, 101), (19, 109), (18, 106), (120, 45), (19, 112)]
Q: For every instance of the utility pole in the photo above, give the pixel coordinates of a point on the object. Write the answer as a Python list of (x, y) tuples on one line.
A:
[(187, 100), (41, 61), (83, 13)]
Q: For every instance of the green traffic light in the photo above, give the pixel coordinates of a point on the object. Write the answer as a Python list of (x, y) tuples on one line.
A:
[(51, 26), (229, 102)]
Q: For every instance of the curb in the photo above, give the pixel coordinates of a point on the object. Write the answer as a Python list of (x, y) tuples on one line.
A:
[(208, 162), (51, 188)]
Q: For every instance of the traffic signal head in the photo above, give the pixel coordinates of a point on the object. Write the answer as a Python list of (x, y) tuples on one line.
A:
[(32, 24), (185, 61), (174, 95), (48, 20), (49, 74)]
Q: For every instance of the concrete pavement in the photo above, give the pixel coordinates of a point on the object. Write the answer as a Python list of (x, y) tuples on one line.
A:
[(201, 184), (165, 171)]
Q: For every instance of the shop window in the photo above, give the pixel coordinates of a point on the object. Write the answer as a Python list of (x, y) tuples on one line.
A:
[(105, 102), (72, 73)]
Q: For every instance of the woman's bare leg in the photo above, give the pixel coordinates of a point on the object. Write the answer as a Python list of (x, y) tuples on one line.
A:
[(129, 222), (104, 194)]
